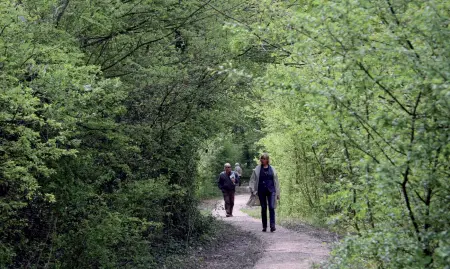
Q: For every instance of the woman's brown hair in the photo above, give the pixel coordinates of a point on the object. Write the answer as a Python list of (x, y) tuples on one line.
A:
[(265, 156)]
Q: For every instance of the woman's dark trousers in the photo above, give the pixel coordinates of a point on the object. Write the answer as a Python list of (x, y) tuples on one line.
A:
[(267, 198)]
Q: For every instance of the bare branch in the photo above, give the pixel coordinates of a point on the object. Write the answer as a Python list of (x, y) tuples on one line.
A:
[(61, 13)]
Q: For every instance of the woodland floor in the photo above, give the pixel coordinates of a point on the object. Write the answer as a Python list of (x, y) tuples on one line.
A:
[(230, 248)]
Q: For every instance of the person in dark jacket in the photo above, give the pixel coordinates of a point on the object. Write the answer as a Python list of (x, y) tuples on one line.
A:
[(227, 184), (264, 183)]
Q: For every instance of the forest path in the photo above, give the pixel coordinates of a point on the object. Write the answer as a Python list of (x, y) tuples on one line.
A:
[(284, 249)]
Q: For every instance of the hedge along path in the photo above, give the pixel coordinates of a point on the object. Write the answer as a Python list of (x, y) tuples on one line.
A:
[(284, 249)]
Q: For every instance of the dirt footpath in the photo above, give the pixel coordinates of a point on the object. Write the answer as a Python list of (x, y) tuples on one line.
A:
[(284, 249)]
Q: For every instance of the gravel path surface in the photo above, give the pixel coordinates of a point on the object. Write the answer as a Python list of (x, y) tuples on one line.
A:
[(284, 249)]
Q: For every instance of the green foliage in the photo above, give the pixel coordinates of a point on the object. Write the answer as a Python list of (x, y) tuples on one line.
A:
[(212, 157), (47, 93), (356, 109), (235, 143), (104, 107), (114, 115)]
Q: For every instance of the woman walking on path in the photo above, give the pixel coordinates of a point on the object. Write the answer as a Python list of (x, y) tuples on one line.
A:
[(264, 183)]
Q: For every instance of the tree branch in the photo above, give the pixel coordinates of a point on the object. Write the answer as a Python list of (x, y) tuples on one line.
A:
[(383, 88), (138, 46), (61, 13)]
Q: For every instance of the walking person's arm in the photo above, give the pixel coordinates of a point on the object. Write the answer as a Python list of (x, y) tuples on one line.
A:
[(252, 183), (220, 182), (277, 184)]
